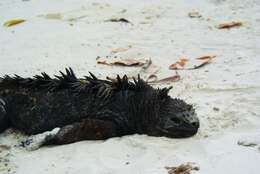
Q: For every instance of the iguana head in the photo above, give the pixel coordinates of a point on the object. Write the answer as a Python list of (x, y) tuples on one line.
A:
[(173, 117), (177, 119), (152, 111)]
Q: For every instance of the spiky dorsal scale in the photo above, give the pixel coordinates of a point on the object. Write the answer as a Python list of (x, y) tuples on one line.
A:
[(15, 81), (68, 80), (163, 93), (42, 81), (93, 76)]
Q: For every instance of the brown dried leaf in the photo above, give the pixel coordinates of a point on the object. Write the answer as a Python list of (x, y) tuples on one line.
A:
[(120, 61), (201, 65), (174, 78), (182, 169), (194, 14), (173, 66), (182, 63), (127, 62), (207, 57), (229, 24), (101, 60), (116, 50), (152, 78)]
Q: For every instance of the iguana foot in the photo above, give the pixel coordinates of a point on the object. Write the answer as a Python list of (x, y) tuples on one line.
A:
[(34, 142)]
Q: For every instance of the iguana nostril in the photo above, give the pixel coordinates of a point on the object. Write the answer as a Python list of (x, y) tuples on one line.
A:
[(195, 124)]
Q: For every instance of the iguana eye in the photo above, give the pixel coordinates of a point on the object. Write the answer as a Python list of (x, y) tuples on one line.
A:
[(176, 120)]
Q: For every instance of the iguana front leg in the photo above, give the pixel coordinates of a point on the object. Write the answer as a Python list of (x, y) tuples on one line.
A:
[(87, 129)]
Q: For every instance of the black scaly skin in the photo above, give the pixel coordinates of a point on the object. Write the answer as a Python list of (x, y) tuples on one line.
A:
[(91, 108)]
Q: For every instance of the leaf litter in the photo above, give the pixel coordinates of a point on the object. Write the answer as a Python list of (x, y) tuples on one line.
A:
[(229, 24), (121, 61), (194, 14), (12, 22), (184, 63), (154, 79), (183, 168)]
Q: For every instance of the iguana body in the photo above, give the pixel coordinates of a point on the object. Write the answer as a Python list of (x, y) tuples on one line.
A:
[(91, 108)]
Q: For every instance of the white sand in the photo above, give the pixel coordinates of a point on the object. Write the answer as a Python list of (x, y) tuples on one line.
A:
[(58, 34)]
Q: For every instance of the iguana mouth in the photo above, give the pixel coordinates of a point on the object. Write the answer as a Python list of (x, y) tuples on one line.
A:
[(178, 132)]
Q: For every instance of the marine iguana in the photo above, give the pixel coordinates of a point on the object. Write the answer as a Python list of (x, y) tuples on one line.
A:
[(92, 109)]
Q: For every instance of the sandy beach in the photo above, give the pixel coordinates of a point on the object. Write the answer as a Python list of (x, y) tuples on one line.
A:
[(226, 92)]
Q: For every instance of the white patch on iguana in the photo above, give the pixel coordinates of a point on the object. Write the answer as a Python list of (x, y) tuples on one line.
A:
[(34, 142)]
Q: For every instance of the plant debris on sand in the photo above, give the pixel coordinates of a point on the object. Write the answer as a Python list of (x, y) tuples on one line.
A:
[(184, 63), (182, 169), (229, 24)]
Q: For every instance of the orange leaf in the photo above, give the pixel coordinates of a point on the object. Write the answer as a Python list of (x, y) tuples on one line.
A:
[(190, 64), (182, 62), (173, 66)]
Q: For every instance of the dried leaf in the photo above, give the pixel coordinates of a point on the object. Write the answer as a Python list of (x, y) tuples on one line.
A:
[(190, 64), (12, 22), (200, 66), (149, 68), (229, 24), (194, 14), (120, 61), (101, 60), (127, 62), (173, 66), (174, 78), (116, 50), (181, 62), (153, 79), (182, 169), (207, 57)]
